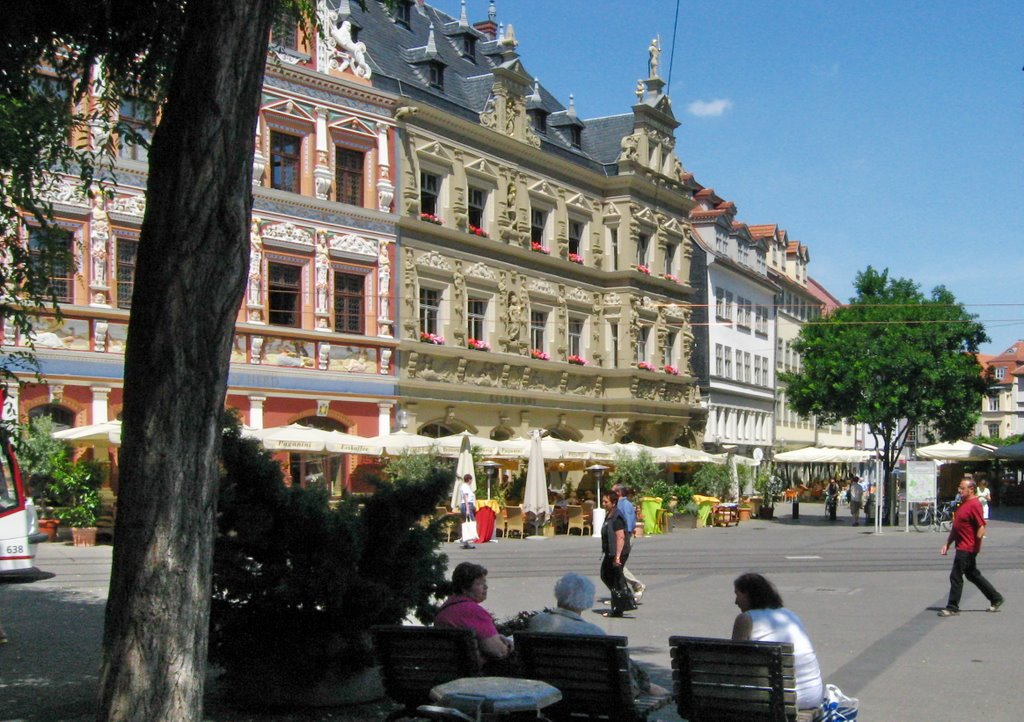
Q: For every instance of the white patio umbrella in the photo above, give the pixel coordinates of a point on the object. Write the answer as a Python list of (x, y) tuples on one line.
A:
[(535, 496), (397, 442), (293, 437), (105, 433), (452, 445), (677, 454), (955, 451), (634, 449), (462, 467)]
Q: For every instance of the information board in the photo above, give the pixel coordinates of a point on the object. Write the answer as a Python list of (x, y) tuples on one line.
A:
[(921, 478)]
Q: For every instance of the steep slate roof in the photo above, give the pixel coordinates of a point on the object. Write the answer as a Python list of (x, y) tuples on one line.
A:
[(397, 55)]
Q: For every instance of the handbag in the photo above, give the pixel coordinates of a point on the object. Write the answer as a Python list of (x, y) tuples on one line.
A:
[(837, 707), (468, 531)]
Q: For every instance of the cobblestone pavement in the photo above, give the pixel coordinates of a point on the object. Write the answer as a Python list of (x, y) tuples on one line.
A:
[(868, 600)]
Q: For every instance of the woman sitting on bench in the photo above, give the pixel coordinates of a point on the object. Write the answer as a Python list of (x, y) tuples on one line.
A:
[(462, 609), (762, 618)]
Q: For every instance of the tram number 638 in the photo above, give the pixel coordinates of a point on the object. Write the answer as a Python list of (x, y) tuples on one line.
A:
[(14, 549)]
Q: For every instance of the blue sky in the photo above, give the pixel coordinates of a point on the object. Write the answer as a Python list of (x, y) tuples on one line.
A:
[(882, 133)]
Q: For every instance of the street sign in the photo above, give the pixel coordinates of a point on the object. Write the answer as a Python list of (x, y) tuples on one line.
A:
[(920, 481)]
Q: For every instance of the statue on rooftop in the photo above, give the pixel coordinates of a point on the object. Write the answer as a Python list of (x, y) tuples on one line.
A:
[(655, 52)]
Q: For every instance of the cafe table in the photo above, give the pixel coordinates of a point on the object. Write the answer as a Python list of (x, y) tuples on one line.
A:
[(496, 698)]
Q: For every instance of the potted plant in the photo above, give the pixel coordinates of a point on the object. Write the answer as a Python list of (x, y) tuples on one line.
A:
[(769, 486), (75, 487)]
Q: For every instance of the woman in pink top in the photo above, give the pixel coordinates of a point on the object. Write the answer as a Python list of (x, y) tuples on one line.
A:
[(462, 609)]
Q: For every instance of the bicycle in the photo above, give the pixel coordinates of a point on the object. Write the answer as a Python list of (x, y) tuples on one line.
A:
[(928, 516)]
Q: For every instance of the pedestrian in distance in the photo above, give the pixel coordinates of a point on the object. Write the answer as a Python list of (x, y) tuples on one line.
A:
[(856, 493), (628, 510), (832, 498), (967, 534)]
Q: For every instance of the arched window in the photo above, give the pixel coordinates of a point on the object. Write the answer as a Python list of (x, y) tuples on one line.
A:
[(62, 418)]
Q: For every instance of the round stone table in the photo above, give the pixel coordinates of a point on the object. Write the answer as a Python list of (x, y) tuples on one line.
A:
[(495, 696)]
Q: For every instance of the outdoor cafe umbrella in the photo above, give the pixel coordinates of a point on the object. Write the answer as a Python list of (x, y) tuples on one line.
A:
[(535, 496), (104, 433), (295, 438), (452, 445), (955, 451), (462, 467), (398, 441), (677, 454), (1013, 451)]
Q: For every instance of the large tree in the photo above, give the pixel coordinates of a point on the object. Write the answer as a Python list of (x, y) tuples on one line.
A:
[(204, 59), (892, 359)]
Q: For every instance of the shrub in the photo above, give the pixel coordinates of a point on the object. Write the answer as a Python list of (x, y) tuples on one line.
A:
[(38, 452), (74, 489), (713, 480), (297, 584), (638, 472)]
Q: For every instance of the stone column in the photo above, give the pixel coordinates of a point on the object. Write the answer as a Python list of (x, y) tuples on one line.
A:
[(256, 411), (100, 408), (322, 170), (384, 416)]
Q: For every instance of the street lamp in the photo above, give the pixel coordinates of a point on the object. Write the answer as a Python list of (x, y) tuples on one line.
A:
[(597, 470), (402, 418), (491, 468)]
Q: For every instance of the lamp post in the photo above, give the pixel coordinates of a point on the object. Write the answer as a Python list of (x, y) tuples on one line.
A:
[(491, 468), (598, 514)]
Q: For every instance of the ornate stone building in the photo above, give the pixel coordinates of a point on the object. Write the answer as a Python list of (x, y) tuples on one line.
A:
[(543, 280), (315, 340)]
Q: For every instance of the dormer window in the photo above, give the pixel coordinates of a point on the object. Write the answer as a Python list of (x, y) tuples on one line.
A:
[(435, 75), (575, 136), (403, 12), (469, 47), (540, 120)]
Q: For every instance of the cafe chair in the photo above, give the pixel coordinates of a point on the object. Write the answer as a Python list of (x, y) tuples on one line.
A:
[(576, 520), (515, 521)]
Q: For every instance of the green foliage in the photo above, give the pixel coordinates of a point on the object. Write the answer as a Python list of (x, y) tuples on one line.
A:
[(414, 465), (640, 473), (297, 584), (768, 484), (997, 440), (891, 354), (713, 480), (38, 452), (74, 489)]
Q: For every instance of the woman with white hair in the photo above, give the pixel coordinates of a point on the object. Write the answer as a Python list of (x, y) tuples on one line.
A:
[(574, 593)]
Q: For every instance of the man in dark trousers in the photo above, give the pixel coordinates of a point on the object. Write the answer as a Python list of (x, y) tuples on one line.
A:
[(967, 532)]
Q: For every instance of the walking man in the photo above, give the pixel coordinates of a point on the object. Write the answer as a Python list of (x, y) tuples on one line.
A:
[(628, 511), (856, 493), (967, 533)]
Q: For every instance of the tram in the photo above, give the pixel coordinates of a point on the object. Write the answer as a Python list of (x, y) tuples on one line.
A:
[(19, 526)]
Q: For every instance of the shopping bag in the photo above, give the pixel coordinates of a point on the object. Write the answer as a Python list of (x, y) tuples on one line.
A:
[(837, 707), (468, 531)]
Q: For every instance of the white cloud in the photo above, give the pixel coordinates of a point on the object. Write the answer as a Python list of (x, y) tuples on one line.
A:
[(709, 108)]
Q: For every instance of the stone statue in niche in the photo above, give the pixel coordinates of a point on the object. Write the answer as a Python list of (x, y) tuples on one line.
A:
[(513, 318), (323, 268), (99, 237), (384, 281), (254, 296)]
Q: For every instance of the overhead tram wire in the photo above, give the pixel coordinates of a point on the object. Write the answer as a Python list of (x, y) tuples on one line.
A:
[(672, 53)]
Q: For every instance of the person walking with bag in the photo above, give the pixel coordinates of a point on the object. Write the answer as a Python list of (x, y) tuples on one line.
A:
[(615, 547), (967, 534), (628, 510)]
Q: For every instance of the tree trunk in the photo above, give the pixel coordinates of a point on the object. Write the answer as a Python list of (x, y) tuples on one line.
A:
[(192, 261)]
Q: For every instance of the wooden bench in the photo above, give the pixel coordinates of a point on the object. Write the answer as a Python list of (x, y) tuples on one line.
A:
[(413, 660), (591, 671), (718, 679)]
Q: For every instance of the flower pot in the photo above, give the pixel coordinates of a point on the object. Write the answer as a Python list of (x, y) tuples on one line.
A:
[(84, 536), (766, 512), (744, 512), (49, 527)]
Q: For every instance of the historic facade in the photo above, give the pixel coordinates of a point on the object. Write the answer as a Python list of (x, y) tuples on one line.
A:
[(735, 326), (315, 339), (1002, 408), (544, 258)]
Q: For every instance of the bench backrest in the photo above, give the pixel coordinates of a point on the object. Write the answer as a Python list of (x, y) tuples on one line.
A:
[(591, 671), (413, 660), (718, 679)]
